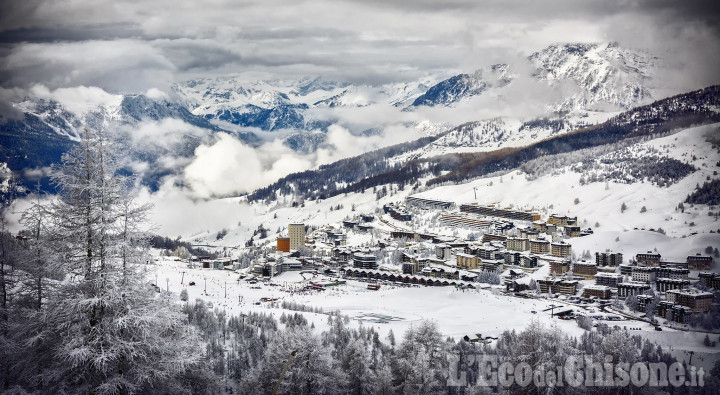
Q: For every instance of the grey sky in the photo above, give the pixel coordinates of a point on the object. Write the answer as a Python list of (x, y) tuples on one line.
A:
[(129, 46)]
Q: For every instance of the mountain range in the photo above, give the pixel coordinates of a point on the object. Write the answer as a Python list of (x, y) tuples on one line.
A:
[(585, 84)]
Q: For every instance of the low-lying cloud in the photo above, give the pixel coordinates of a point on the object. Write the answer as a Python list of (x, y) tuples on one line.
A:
[(226, 166)]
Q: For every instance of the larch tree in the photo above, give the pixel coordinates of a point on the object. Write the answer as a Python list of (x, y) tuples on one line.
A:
[(7, 262), (111, 332)]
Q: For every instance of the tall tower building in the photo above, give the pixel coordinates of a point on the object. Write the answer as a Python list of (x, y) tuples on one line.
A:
[(296, 232)]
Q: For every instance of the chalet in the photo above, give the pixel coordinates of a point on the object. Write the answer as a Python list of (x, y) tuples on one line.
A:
[(336, 238), (425, 236), (512, 275), (515, 286), (442, 239), (407, 256)]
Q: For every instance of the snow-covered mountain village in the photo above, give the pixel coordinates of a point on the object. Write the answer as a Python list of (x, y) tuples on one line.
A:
[(359, 198)]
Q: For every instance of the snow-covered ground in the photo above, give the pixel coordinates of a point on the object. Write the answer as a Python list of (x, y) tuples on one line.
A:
[(457, 312), (622, 231), (598, 206)]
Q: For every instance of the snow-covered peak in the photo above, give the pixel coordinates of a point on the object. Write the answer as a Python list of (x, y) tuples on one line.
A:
[(596, 76)]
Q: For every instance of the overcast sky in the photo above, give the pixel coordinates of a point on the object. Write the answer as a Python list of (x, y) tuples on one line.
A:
[(131, 46), (80, 51)]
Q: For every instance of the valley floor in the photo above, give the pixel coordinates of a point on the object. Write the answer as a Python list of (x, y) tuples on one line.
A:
[(457, 312)]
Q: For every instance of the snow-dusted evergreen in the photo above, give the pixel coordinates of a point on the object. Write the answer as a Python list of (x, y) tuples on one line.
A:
[(87, 321)]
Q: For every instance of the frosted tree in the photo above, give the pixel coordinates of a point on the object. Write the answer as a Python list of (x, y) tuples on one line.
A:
[(33, 327), (620, 346), (309, 371), (540, 347), (110, 332), (356, 365), (420, 364), (36, 257), (382, 379), (631, 302), (8, 257)]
